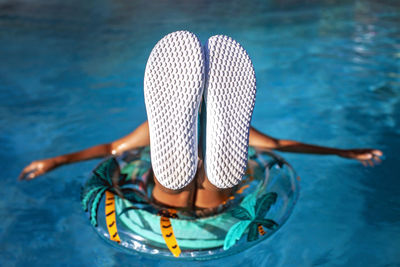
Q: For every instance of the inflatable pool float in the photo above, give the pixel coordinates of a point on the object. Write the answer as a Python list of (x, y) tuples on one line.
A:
[(118, 201)]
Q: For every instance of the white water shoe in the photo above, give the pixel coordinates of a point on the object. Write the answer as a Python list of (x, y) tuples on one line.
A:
[(230, 96), (173, 87)]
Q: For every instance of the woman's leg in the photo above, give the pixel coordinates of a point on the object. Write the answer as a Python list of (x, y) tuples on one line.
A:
[(183, 198), (173, 87), (229, 100), (207, 194), (229, 96)]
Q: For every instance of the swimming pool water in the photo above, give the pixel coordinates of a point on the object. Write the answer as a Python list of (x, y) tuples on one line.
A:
[(328, 72)]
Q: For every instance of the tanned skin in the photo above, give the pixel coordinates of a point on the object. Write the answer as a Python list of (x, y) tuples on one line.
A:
[(200, 192)]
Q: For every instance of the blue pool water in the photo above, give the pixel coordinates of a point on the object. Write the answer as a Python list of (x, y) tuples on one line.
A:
[(328, 72)]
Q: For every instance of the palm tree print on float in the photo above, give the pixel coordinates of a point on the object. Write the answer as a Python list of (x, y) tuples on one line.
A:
[(107, 177), (251, 214)]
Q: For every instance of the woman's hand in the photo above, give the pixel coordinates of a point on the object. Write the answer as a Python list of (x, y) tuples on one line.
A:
[(36, 168), (366, 156)]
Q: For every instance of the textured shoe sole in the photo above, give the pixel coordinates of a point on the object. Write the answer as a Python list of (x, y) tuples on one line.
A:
[(230, 96), (173, 86)]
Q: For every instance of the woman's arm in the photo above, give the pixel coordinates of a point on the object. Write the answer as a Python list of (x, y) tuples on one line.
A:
[(139, 137), (366, 156)]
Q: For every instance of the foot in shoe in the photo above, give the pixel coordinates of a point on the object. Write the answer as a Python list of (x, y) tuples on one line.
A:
[(230, 96), (173, 86)]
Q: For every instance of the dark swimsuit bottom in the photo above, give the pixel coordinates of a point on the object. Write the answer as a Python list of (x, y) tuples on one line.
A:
[(131, 220)]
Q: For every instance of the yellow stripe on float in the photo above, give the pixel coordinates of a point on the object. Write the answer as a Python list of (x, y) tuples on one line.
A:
[(169, 237), (110, 217)]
